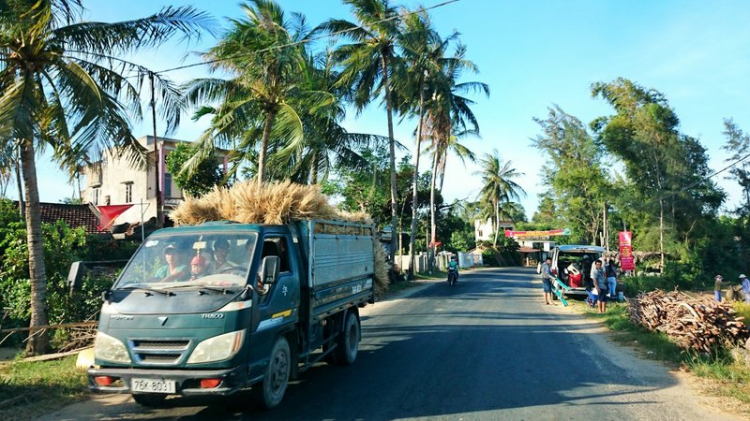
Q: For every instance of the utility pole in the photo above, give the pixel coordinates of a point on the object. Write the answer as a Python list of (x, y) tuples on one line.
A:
[(157, 159)]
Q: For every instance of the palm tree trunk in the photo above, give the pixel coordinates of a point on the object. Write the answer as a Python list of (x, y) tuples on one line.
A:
[(414, 198), (264, 146), (442, 169), (432, 207), (38, 340), (497, 222), (392, 155), (19, 183), (314, 169)]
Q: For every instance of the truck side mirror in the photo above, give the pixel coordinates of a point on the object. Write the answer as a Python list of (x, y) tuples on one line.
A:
[(269, 269), (75, 275)]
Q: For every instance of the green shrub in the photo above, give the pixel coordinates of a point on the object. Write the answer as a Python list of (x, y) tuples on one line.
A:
[(62, 246)]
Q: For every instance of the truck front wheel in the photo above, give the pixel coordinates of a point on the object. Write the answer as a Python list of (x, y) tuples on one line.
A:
[(347, 343), (271, 390)]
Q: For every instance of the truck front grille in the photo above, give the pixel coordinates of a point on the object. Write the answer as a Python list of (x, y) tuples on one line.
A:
[(144, 344), (160, 359), (159, 352)]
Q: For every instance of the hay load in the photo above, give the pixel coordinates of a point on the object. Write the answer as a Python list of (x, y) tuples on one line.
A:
[(274, 203)]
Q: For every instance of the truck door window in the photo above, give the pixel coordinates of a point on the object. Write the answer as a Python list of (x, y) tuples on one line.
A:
[(277, 246)]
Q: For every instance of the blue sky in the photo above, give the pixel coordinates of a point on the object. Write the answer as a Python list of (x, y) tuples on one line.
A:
[(532, 54)]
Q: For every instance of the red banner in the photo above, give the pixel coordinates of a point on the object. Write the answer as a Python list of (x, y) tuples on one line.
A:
[(626, 251), (109, 213)]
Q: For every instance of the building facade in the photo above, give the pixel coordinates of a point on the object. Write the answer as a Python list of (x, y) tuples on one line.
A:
[(113, 181)]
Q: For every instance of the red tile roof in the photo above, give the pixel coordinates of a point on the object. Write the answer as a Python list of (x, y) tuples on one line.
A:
[(74, 215)]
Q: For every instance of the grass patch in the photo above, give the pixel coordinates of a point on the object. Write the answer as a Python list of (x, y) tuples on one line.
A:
[(656, 345), (743, 309), (46, 386)]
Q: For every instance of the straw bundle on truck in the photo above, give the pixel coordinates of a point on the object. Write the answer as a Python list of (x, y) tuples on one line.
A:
[(275, 203)]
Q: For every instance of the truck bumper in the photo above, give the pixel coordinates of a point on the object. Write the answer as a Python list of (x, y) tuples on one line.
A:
[(188, 382)]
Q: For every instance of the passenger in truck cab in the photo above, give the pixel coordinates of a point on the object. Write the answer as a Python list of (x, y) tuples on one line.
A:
[(221, 251), (198, 268), (175, 268)]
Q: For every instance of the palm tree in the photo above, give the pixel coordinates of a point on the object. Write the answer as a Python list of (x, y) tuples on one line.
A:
[(326, 144), (368, 62), (60, 88), (498, 185), (449, 115), (424, 56), (259, 100)]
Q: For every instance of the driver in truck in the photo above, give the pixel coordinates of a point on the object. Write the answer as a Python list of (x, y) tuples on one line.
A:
[(174, 269)]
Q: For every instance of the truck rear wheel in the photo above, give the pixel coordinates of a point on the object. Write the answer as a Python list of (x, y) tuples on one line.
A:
[(149, 399), (347, 343), (271, 390)]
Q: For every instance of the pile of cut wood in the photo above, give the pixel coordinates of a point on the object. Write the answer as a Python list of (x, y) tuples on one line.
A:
[(699, 324)]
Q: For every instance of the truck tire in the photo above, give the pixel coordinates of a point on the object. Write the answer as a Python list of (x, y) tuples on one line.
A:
[(149, 399), (270, 391), (347, 343)]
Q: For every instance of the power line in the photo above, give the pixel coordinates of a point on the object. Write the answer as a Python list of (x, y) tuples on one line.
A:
[(308, 40)]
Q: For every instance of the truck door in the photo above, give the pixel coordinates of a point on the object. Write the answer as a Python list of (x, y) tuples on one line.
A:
[(282, 298)]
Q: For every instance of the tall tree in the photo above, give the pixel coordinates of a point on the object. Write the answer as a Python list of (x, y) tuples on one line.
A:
[(260, 100), (424, 56), (61, 87), (498, 184), (738, 145), (574, 172), (668, 170), (448, 113), (368, 63)]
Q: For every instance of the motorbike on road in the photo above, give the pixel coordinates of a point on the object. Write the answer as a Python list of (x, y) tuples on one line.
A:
[(452, 276)]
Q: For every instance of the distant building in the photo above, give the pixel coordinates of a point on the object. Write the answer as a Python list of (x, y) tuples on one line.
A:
[(483, 230), (113, 181)]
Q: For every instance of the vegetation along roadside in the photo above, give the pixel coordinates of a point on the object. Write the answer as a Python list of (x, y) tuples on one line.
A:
[(721, 374)]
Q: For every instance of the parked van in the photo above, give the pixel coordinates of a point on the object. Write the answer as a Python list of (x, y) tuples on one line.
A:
[(572, 264)]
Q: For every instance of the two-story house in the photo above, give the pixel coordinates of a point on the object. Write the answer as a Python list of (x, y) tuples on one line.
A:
[(113, 181)]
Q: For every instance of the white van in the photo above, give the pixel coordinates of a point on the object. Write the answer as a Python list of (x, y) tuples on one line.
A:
[(569, 259)]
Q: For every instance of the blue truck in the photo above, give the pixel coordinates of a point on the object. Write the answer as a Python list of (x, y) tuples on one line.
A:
[(215, 308)]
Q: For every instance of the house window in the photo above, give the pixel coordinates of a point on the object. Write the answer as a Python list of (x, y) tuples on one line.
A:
[(129, 192), (95, 193), (167, 185)]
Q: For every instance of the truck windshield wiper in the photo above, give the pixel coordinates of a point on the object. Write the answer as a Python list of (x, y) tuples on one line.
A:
[(143, 288), (225, 290)]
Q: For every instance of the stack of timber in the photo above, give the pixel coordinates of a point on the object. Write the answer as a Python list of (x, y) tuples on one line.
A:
[(699, 324), (275, 203)]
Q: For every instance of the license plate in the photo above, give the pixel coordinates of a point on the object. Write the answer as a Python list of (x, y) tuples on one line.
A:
[(153, 386)]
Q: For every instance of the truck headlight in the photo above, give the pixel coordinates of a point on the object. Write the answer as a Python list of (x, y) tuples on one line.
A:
[(218, 348), (110, 349)]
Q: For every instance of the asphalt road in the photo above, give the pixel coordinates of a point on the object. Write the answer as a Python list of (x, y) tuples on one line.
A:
[(486, 349)]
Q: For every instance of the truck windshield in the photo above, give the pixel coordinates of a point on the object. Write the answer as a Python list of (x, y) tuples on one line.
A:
[(200, 259)]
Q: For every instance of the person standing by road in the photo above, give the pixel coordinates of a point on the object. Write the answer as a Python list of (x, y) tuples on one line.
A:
[(611, 272), (547, 278), (745, 287), (597, 275), (717, 287)]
